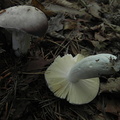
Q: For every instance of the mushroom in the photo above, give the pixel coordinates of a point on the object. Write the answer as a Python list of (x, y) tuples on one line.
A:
[(24, 21), (77, 78)]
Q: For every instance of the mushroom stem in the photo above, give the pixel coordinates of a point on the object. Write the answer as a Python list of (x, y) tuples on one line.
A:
[(20, 42), (91, 67)]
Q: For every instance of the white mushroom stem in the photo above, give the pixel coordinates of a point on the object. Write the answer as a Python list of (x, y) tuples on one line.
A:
[(91, 67), (20, 42)]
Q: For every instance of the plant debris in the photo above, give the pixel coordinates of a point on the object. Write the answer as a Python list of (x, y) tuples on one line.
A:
[(75, 26)]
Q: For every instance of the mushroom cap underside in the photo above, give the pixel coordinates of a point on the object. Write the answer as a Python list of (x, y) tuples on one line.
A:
[(80, 92)]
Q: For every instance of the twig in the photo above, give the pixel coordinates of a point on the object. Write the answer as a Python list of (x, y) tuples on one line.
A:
[(14, 96)]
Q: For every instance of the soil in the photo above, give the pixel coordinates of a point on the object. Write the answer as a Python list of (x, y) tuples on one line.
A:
[(74, 28)]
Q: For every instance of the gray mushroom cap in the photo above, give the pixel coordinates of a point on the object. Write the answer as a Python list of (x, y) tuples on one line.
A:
[(24, 18)]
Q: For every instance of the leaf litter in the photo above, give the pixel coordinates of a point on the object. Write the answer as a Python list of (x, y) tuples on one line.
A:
[(79, 26)]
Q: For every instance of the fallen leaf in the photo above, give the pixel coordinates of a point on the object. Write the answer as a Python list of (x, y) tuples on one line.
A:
[(99, 37), (36, 64), (109, 106), (56, 35), (94, 9), (113, 85), (38, 5), (70, 24), (100, 117), (116, 66), (63, 2), (1, 50), (2, 11), (74, 48), (66, 3), (100, 27), (96, 44), (65, 10), (55, 23)]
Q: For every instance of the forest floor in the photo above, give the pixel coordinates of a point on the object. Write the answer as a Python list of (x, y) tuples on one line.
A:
[(87, 27)]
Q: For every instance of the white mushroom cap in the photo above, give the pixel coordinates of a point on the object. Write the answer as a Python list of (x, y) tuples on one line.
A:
[(25, 18), (85, 88)]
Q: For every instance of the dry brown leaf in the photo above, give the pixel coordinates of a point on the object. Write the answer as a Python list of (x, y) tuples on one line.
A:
[(67, 3), (113, 107), (36, 64), (114, 2), (74, 35), (96, 44), (56, 23), (94, 9), (113, 85), (100, 27), (63, 2), (100, 117), (65, 10), (55, 26), (110, 106), (38, 5), (99, 37), (74, 49), (70, 24)]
